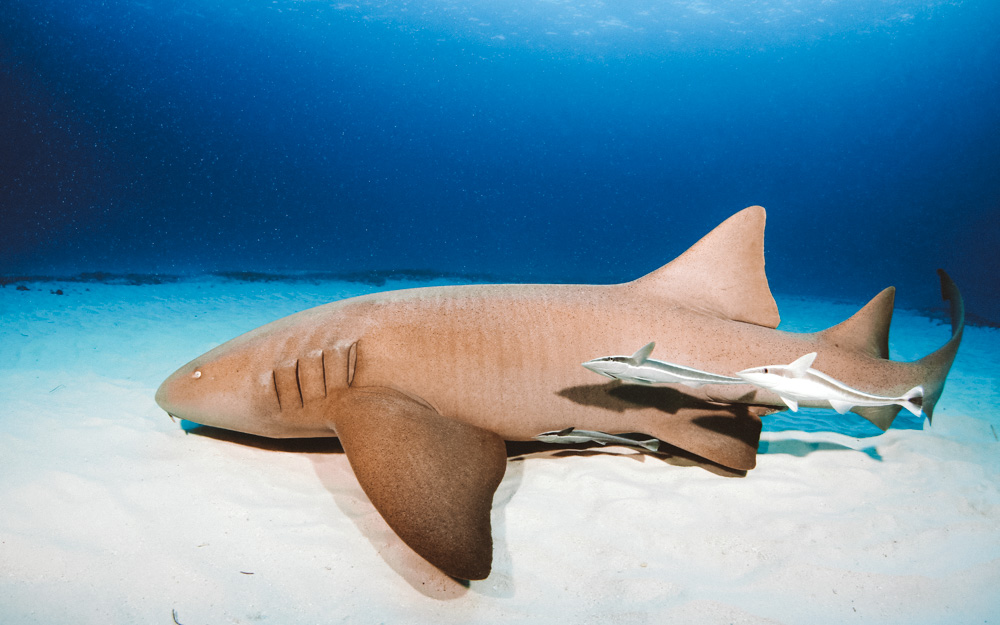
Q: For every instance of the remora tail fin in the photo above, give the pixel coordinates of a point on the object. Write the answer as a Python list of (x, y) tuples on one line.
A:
[(723, 273)]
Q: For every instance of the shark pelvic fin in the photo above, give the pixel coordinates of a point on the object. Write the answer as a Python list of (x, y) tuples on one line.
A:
[(867, 330), (431, 478), (723, 273)]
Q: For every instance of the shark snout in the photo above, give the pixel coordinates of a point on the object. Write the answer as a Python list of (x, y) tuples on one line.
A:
[(181, 395), (162, 398)]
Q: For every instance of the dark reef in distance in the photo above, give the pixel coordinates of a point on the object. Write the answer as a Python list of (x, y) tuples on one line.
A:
[(373, 278)]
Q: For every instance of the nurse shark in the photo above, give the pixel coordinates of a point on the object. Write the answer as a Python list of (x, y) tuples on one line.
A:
[(423, 386)]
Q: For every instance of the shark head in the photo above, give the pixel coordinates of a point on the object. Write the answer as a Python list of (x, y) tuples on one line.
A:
[(609, 366), (213, 390), (260, 384)]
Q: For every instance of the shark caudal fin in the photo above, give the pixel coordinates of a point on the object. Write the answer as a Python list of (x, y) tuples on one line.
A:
[(937, 364), (723, 273), (867, 331)]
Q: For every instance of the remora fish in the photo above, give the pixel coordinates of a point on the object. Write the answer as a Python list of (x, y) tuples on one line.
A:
[(800, 383), (573, 435), (641, 369), (423, 386)]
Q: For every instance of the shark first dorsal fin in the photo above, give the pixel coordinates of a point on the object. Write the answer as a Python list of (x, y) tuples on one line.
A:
[(723, 273), (644, 352), (866, 330)]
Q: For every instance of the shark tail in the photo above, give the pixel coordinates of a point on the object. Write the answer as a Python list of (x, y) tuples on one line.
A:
[(868, 332), (937, 364)]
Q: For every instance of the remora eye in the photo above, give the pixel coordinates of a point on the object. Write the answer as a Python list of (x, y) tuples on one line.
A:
[(765, 369), (196, 375)]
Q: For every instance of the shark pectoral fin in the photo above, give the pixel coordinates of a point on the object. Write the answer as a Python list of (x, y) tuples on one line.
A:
[(842, 407), (431, 478)]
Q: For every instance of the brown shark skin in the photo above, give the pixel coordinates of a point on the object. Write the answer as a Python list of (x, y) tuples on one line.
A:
[(506, 361)]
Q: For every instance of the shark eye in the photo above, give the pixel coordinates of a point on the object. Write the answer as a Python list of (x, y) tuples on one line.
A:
[(765, 369), (196, 375)]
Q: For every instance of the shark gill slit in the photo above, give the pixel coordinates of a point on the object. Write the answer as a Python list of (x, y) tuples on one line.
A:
[(274, 382), (352, 360), (322, 366), (298, 385)]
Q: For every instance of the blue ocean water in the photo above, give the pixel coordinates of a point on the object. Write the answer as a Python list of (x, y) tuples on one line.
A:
[(524, 140)]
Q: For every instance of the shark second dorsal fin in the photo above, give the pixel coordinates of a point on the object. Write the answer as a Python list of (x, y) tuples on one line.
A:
[(723, 273), (867, 330)]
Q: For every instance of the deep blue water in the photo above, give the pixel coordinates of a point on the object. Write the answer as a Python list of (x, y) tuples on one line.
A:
[(544, 141)]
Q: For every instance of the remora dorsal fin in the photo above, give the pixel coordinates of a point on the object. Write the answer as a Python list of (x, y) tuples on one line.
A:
[(867, 330), (801, 365), (723, 272), (431, 478), (644, 352)]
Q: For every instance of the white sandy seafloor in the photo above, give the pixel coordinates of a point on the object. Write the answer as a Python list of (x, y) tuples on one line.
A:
[(112, 513)]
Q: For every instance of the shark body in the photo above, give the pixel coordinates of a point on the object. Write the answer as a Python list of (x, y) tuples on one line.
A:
[(798, 382), (449, 373), (639, 368)]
